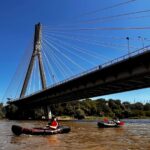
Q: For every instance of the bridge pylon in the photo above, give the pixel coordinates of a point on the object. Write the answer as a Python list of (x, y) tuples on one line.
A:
[(36, 53)]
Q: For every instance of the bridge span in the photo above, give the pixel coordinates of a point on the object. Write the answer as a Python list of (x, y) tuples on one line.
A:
[(129, 72)]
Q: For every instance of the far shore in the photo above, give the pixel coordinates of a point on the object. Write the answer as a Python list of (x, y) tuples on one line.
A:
[(65, 118), (87, 118)]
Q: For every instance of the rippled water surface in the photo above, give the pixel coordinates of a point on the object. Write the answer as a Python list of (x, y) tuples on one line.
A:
[(135, 135)]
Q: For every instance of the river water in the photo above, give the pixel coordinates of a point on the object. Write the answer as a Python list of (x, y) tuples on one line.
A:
[(84, 135)]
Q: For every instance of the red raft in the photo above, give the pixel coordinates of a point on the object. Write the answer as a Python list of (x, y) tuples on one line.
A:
[(110, 124), (17, 130)]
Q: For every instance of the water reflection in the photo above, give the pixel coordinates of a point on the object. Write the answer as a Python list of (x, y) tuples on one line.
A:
[(53, 140), (83, 136)]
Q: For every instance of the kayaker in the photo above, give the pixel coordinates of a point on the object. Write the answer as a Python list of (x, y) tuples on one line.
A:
[(53, 124), (106, 120), (116, 120)]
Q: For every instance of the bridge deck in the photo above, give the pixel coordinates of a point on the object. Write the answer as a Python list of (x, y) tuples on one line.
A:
[(126, 73)]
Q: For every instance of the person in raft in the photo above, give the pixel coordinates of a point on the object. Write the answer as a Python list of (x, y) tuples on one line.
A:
[(116, 120), (53, 124)]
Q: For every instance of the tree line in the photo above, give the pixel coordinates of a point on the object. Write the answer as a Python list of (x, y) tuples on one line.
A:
[(101, 107), (80, 109)]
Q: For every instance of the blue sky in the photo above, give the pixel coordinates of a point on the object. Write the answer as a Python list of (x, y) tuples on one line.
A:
[(18, 17)]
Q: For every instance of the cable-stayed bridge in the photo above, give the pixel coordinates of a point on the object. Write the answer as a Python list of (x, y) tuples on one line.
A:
[(129, 72), (86, 58)]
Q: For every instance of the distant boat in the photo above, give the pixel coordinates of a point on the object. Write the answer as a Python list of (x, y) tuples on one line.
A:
[(17, 130), (110, 124)]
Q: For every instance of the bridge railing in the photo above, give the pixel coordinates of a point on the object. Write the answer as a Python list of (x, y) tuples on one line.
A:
[(109, 63), (124, 57)]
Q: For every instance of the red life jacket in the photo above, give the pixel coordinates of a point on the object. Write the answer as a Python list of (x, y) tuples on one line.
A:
[(54, 124)]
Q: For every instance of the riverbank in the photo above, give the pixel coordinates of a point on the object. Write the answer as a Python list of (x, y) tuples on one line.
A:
[(63, 118)]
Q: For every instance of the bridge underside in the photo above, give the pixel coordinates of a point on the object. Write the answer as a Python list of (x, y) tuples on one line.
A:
[(129, 74)]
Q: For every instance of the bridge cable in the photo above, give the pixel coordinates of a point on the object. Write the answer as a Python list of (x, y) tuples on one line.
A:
[(52, 72), (66, 57), (47, 65), (87, 41), (52, 45), (81, 50), (17, 75), (115, 16), (62, 62), (71, 52), (58, 66), (47, 32), (102, 9), (105, 19)]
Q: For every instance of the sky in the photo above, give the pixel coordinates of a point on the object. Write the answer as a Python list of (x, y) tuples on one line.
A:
[(18, 17)]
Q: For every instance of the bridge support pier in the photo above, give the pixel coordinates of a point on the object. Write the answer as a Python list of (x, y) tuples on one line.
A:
[(49, 112)]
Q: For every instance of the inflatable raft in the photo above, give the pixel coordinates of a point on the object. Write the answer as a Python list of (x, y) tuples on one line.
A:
[(109, 124), (17, 130)]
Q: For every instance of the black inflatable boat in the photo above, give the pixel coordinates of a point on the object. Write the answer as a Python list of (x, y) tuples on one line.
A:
[(109, 124), (17, 130)]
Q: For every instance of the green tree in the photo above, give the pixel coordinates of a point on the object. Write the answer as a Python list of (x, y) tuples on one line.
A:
[(79, 114), (147, 113), (89, 107), (137, 106), (126, 105), (11, 111), (147, 107), (113, 105), (2, 111)]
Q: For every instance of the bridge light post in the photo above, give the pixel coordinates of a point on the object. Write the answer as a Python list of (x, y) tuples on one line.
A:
[(128, 45), (142, 40), (53, 77)]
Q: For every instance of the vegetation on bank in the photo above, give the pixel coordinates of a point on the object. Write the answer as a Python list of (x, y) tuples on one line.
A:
[(81, 109), (101, 107), (2, 111)]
